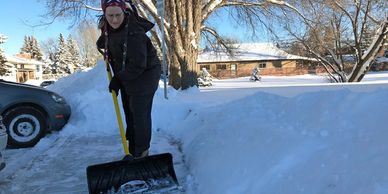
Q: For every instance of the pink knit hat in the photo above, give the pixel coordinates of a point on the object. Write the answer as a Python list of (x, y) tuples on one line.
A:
[(107, 3)]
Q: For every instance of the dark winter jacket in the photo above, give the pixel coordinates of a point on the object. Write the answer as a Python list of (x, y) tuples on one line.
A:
[(142, 68)]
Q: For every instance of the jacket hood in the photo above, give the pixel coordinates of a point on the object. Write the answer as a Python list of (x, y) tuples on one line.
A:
[(145, 24)]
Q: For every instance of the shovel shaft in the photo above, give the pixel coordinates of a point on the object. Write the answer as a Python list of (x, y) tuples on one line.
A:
[(118, 113)]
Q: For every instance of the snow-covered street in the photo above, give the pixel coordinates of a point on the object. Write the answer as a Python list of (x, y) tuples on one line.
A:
[(293, 135)]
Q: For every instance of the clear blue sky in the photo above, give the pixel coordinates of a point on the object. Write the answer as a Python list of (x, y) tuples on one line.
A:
[(228, 27), (15, 14)]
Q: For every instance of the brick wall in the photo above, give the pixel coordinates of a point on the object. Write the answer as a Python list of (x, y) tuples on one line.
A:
[(243, 69)]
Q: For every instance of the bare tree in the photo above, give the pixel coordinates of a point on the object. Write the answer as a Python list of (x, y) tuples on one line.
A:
[(333, 31), (87, 35), (49, 48), (184, 23)]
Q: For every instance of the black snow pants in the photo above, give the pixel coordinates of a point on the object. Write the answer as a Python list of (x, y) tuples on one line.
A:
[(137, 109)]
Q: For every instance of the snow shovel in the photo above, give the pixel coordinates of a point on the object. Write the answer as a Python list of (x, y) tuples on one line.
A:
[(144, 175), (148, 174)]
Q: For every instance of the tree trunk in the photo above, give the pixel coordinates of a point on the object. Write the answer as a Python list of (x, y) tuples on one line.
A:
[(183, 71), (185, 22), (366, 60), (175, 77), (188, 68)]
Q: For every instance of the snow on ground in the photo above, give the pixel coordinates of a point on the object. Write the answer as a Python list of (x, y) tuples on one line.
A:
[(34, 82), (294, 135)]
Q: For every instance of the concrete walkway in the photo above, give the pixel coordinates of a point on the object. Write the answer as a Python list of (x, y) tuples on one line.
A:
[(58, 163)]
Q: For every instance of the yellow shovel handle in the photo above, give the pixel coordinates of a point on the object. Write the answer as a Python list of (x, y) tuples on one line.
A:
[(118, 114)]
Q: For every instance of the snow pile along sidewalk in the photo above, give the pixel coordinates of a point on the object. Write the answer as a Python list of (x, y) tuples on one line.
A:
[(321, 142)]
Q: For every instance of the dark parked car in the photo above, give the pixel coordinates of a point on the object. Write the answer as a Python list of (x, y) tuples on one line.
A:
[(3, 143), (30, 111), (46, 83)]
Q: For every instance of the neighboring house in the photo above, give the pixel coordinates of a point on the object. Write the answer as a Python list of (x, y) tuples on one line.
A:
[(381, 63), (266, 56), (24, 68)]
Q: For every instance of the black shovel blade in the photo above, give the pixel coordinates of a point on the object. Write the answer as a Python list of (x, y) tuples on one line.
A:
[(103, 177)]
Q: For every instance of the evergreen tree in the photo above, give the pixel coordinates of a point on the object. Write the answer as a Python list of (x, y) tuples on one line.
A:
[(36, 52), (3, 69), (31, 46), (26, 45), (74, 53), (62, 57)]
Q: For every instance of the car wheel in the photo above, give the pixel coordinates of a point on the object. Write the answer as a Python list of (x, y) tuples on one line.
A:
[(25, 126)]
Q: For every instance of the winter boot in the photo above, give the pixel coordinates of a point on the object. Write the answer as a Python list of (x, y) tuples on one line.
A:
[(143, 154)]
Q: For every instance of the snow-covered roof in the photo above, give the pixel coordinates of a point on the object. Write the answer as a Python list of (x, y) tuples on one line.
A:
[(249, 52), (19, 60)]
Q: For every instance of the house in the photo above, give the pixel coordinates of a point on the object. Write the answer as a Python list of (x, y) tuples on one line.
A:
[(24, 68), (381, 63), (246, 56)]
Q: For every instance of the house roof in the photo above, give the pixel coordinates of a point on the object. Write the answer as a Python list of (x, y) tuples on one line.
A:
[(19, 60), (249, 52)]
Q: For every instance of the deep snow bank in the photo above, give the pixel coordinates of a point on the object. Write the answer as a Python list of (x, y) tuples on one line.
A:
[(321, 142)]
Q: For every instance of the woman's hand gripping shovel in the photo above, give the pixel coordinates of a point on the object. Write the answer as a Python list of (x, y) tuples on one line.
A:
[(148, 174)]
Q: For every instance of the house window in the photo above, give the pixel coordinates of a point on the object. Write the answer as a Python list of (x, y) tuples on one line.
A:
[(233, 67), (38, 68), (207, 67), (221, 67), (277, 64), (262, 65), (386, 54)]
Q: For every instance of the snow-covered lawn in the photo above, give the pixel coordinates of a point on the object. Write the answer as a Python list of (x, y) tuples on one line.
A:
[(293, 135)]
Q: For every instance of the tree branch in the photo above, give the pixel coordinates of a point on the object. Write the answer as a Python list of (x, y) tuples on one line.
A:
[(85, 5)]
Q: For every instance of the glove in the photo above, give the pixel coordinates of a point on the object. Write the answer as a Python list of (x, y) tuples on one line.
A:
[(114, 85)]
